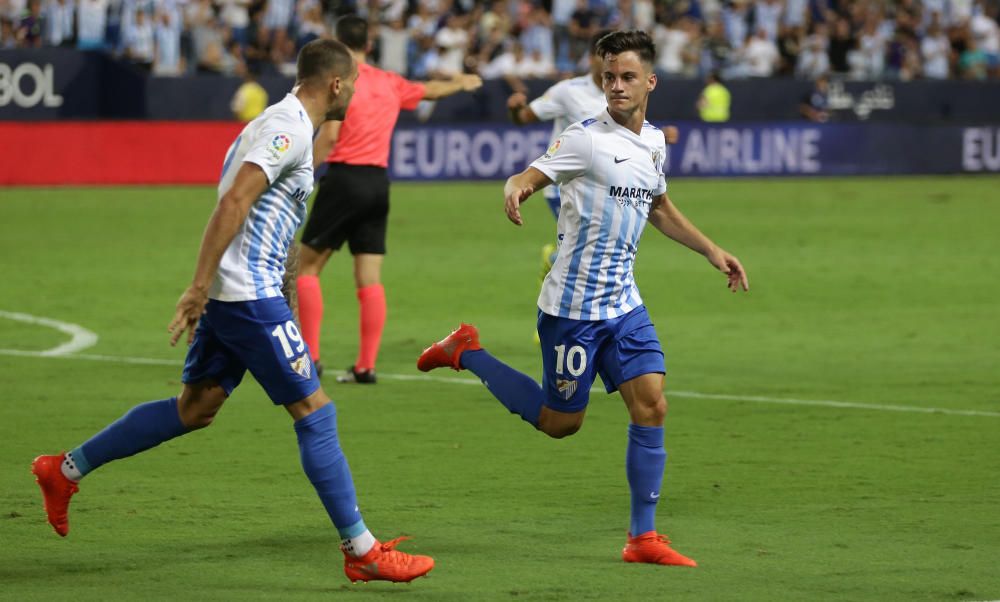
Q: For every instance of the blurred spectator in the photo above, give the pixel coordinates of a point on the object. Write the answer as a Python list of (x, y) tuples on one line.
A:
[(59, 21), (985, 32), (935, 50), (536, 36), (717, 52), (250, 98), (514, 63), (670, 41), (91, 18), (813, 60), (759, 56), (31, 27), (790, 43), (235, 14), (452, 41), (814, 105), (583, 24), (393, 43), (871, 46), (795, 13), (736, 21), (714, 101), (167, 59), (841, 44), (767, 16), (562, 12), (974, 62), (311, 26), (8, 36), (139, 41)]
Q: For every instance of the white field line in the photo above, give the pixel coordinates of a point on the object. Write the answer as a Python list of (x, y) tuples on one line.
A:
[(81, 338), (452, 380)]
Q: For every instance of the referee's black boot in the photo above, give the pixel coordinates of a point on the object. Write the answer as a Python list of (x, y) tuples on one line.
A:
[(353, 375)]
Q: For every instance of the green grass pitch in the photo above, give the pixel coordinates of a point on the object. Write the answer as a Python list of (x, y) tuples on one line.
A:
[(877, 298)]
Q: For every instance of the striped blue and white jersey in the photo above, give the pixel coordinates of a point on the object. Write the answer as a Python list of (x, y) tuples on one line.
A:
[(565, 103), (280, 142), (608, 176)]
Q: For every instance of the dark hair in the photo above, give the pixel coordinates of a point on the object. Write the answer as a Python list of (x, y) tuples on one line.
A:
[(594, 39), (352, 30), (320, 57), (635, 40)]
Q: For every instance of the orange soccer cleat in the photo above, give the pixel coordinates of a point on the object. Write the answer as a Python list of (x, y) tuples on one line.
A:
[(448, 350), (384, 563), (653, 548), (56, 490)]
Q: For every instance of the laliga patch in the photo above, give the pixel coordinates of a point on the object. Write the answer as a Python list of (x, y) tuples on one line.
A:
[(280, 145), (566, 388), (553, 149), (302, 366), (657, 158)]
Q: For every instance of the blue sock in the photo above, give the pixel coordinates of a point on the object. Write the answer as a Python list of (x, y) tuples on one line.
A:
[(326, 467), (143, 427), (644, 463), (518, 392)]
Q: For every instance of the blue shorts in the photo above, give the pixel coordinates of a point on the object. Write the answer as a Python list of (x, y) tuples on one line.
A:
[(261, 336), (574, 352), (553, 199)]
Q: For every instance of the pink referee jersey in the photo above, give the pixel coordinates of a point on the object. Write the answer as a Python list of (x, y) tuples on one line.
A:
[(366, 133)]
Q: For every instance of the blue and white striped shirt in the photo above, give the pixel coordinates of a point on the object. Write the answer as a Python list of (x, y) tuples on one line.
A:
[(280, 142), (608, 176)]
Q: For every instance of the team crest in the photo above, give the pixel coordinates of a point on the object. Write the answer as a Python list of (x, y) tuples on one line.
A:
[(566, 388), (302, 366), (657, 158), (553, 149)]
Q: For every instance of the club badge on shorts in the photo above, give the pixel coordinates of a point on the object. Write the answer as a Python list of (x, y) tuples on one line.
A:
[(302, 366), (566, 388)]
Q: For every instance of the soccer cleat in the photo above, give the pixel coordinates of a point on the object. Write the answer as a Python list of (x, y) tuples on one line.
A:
[(548, 258), (353, 375), (384, 563), (448, 351), (653, 548), (319, 369), (56, 490)]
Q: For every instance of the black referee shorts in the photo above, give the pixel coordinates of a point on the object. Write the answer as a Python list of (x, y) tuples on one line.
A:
[(352, 205)]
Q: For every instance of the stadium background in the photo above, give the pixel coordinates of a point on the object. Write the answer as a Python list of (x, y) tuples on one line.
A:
[(833, 435)]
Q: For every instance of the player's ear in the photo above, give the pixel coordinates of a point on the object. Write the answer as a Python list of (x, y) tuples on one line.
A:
[(651, 81)]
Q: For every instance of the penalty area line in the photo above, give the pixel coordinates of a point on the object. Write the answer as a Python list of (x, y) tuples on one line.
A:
[(451, 380)]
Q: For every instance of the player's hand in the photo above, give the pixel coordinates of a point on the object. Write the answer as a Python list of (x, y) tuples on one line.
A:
[(516, 100), (470, 82), (189, 309), (670, 134), (513, 197), (736, 276)]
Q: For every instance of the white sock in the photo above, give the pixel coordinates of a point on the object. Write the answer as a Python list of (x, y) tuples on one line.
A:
[(358, 546), (69, 469)]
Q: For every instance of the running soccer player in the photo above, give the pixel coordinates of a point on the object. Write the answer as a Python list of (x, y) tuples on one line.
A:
[(237, 320), (591, 319), (352, 204), (565, 103)]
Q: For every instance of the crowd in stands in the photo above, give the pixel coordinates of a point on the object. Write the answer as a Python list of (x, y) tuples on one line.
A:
[(853, 39)]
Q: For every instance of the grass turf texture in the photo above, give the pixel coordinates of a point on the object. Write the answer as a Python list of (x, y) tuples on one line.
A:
[(879, 291)]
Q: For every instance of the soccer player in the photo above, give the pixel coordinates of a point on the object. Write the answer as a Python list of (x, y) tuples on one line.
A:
[(237, 320), (352, 204), (591, 319), (565, 103)]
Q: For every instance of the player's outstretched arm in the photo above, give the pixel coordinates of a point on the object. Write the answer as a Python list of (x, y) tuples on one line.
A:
[(517, 190), (666, 218), (222, 227), (465, 82)]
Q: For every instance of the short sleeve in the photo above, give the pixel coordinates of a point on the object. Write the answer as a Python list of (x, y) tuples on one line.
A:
[(410, 93), (568, 157), (660, 161), (547, 106), (276, 149)]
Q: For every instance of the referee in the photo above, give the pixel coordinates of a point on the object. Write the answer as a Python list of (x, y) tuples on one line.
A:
[(352, 204)]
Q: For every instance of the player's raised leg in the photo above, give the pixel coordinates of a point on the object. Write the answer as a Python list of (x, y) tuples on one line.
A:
[(518, 392), (645, 460), (365, 558), (143, 427)]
